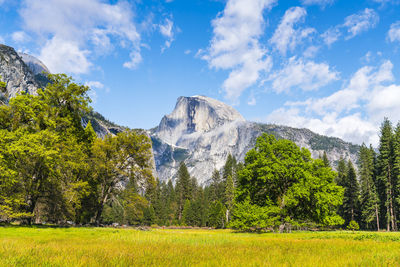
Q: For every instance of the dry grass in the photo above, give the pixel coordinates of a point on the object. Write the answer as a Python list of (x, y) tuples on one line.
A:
[(22, 246)]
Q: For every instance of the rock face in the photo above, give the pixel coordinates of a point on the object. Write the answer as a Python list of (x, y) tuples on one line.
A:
[(16, 74), (202, 132), (34, 64)]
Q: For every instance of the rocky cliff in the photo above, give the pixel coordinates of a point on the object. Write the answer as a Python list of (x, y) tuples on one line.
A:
[(16, 74), (202, 132)]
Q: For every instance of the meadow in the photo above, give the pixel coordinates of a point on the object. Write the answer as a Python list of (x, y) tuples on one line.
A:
[(40, 246)]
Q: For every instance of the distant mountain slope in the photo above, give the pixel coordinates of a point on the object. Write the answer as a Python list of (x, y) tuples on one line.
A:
[(202, 132)]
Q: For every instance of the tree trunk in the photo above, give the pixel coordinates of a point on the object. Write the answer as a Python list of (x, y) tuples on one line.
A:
[(377, 216)]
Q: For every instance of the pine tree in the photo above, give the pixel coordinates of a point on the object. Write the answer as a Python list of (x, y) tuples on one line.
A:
[(396, 169), (385, 171), (216, 186), (325, 160), (369, 197), (351, 194), (229, 195), (183, 188)]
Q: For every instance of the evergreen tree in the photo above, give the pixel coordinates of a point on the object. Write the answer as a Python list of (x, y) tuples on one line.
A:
[(351, 195), (217, 186), (385, 172), (369, 197), (326, 160), (229, 196), (183, 188), (396, 169)]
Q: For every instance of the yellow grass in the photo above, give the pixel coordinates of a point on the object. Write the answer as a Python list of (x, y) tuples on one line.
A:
[(23, 246)]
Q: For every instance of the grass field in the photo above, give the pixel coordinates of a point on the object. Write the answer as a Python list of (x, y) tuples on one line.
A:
[(23, 246)]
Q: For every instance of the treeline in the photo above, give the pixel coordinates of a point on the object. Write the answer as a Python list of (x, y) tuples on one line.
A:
[(278, 187), (372, 198), (186, 202), (55, 170)]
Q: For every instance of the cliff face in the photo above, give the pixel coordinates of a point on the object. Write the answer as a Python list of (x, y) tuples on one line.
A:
[(202, 132), (16, 74)]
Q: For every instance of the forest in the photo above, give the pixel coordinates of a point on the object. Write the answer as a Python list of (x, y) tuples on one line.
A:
[(54, 169)]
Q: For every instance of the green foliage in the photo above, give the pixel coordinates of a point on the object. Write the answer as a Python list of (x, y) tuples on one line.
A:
[(281, 176), (216, 216), (248, 217), (353, 225)]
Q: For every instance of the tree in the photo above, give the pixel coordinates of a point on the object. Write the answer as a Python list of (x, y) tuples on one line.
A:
[(183, 188), (351, 194), (229, 196), (385, 170), (120, 159), (369, 198), (325, 160), (278, 174), (216, 217)]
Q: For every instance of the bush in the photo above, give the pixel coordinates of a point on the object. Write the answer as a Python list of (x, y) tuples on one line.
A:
[(353, 225)]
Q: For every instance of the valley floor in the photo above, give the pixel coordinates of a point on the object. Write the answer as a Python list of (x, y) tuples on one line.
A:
[(25, 246)]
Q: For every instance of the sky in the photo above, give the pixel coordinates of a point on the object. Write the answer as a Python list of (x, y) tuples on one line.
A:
[(331, 66)]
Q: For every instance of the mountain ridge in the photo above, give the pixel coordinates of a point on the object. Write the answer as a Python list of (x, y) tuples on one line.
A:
[(206, 150)]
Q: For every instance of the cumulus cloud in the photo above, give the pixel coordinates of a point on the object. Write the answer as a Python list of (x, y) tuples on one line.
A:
[(360, 22), (353, 113), (394, 32), (306, 75), (166, 30), (81, 26), (286, 37), (235, 45), (331, 35)]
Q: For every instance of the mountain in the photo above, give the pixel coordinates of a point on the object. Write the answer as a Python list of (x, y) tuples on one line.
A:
[(24, 73), (202, 132), (34, 64), (16, 74)]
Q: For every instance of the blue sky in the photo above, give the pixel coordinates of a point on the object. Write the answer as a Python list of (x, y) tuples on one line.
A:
[(328, 65)]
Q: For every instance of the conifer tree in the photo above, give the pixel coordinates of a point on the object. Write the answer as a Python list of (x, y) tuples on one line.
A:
[(351, 195), (183, 188), (369, 197), (325, 160), (385, 172), (396, 169)]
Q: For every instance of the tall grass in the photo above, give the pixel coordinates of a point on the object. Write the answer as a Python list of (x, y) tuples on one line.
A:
[(23, 246)]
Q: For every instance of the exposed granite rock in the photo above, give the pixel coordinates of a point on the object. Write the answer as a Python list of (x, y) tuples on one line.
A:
[(16, 74), (202, 132)]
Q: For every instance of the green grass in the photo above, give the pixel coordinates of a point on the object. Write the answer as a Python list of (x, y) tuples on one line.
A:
[(24, 246)]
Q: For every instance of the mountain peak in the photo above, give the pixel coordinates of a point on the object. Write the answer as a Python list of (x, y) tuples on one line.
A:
[(34, 64), (195, 114)]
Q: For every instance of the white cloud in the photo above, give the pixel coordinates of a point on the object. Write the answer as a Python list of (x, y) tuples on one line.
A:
[(63, 56), (311, 51), (353, 113), (19, 36), (166, 30), (286, 37), (82, 25), (322, 3), (306, 75), (235, 45), (360, 22), (187, 51), (331, 35), (1, 40), (394, 32), (95, 84)]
